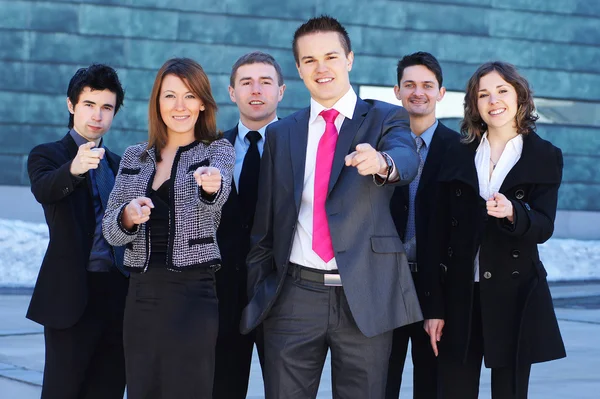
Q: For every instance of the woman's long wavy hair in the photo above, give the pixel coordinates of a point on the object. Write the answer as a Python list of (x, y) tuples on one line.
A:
[(194, 77), (472, 126)]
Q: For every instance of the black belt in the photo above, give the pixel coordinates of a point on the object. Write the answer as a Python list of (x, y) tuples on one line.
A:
[(330, 278), (413, 267)]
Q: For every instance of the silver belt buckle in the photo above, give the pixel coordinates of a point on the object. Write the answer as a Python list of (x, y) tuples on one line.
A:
[(332, 280)]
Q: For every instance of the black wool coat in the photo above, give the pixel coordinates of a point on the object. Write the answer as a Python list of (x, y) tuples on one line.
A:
[(518, 319)]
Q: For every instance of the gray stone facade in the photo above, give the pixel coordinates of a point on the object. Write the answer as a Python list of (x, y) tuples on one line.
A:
[(555, 43)]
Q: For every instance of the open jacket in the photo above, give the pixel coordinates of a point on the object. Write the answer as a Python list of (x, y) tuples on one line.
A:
[(370, 255), (518, 319), (61, 290), (193, 216)]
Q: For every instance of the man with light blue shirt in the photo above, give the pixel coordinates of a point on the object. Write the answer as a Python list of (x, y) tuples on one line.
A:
[(419, 88), (256, 87)]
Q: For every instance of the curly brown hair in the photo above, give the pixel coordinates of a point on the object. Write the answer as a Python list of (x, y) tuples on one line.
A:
[(472, 126)]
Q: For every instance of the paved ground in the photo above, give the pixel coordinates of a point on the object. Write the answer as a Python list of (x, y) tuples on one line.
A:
[(577, 376)]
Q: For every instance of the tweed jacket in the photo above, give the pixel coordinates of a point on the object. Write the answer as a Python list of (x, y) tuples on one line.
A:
[(193, 218)]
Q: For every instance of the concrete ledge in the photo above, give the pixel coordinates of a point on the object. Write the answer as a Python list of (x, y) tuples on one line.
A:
[(578, 225)]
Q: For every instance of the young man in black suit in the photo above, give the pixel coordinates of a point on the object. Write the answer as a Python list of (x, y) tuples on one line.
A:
[(80, 292), (419, 88), (256, 87)]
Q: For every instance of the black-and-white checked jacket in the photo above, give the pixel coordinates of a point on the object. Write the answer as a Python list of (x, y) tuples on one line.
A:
[(193, 219)]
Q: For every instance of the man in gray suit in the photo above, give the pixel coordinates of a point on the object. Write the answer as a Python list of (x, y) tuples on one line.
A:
[(327, 268)]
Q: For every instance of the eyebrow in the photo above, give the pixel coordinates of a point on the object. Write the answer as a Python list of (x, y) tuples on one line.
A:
[(172, 91), (326, 54), (93, 103), (497, 87), (414, 81), (260, 77)]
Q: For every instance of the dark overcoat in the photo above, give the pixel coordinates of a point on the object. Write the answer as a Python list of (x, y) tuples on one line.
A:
[(518, 319)]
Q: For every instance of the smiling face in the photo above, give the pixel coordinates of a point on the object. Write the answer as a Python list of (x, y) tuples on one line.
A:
[(497, 102), (93, 114), (419, 91), (179, 107), (257, 94), (324, 67)]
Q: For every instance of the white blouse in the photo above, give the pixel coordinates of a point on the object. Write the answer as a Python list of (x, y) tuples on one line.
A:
[(489, 185)]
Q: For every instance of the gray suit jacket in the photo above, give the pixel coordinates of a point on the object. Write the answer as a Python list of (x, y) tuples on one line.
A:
[(369, 254)]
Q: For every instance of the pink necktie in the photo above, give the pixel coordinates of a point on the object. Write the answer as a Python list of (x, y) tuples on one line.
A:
[(321, 240)]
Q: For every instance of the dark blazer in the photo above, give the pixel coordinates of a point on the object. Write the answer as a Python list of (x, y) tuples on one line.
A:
[(233, 236), (425, 201), (519, 324), (61, 291), (368, 251)]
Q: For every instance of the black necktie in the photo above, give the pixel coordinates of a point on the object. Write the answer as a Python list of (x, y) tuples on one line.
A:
[(248, 187), (105, 180)]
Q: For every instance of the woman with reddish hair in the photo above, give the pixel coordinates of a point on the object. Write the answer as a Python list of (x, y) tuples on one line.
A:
[(165, 208)]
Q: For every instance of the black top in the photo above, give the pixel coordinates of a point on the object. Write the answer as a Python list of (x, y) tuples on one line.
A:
[(159, 225)]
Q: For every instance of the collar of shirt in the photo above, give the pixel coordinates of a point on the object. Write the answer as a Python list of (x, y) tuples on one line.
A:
[(427, 135), (514, 145), (491, 183), (345, 106), (243, 131), (80, 140)]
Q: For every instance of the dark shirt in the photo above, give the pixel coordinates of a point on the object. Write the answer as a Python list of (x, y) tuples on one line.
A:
[(101, 255), (159, 225)]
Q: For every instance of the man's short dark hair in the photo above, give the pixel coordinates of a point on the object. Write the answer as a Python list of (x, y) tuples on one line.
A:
[(420, 58), (96, 77), (324, 23), (256, 57)]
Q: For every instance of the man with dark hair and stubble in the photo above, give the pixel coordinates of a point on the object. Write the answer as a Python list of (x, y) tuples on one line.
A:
[(79, 296), (420, 89), (327, 269), (256, 87)]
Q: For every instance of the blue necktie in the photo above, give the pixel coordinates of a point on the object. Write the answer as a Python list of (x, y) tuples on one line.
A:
[(410, 242), (105, 181)]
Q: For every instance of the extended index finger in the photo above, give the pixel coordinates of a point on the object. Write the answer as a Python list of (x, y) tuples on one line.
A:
[(364, 147)]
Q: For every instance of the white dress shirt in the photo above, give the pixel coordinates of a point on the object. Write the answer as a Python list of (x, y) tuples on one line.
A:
[(302, 252), (241, 147), (489, 185)]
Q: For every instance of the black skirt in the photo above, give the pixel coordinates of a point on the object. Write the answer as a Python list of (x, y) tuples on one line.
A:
[(169, 333)]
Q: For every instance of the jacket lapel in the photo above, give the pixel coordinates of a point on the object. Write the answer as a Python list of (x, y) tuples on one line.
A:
[(460, 165), (231, 136), (434, 158), (70, 145), (347, 133), (529, 168), (298, 140)]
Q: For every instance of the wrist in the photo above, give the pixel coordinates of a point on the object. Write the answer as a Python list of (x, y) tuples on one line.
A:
[(384, 164)]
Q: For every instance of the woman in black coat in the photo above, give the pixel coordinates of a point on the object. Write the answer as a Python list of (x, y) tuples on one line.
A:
[(486, 291)]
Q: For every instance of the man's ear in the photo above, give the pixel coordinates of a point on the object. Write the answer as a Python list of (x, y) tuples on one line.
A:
[(350, 58), (70, 106), (397, 92), (441, 94), (281, 91), (232, 94)]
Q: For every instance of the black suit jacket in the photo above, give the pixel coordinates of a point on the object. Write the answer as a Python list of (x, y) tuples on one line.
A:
[(61, 292), (368, 251), (233, 236), (425, 200)]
